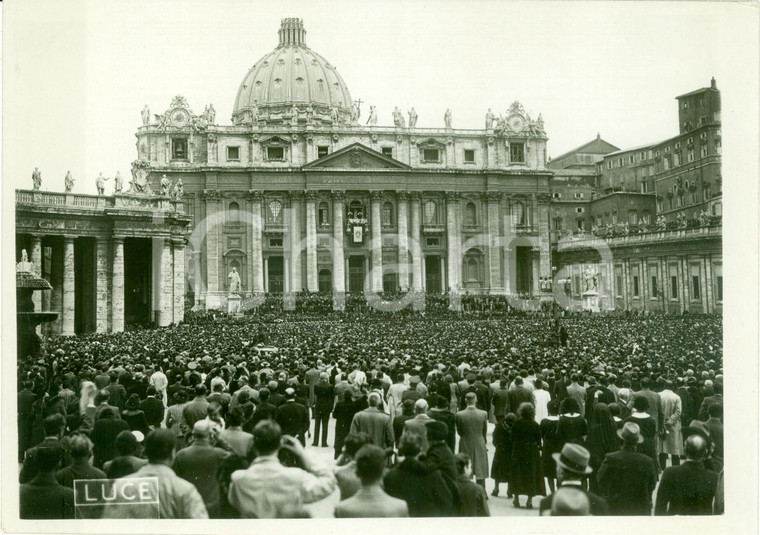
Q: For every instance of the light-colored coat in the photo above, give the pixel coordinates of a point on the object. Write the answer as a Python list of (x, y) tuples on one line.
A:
[(376, 424), (472, 425), (371, 502), (670, 405)]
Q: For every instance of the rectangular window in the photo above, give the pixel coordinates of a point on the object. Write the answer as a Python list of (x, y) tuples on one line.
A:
[(609, 164), (179, 148), (695, 287), (579, 195), (579, 223), (690, 156), (635, 286), (517, 152), (666, 163), (719, 287), (324, 215), (558, 224), (275, 242), (556, 195), (275, 153), (431, 155), (644, 186), (676, 159), (233, 154), (387, 215), (654, 286), (322, 151), (703, 152), (387, 151), (673, 287), (705, 193), (433, 242), (469, 156), (631, 158), (579, 210), (618, 282)]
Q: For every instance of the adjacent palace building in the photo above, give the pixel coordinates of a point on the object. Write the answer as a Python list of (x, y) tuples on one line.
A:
[(304, 191)]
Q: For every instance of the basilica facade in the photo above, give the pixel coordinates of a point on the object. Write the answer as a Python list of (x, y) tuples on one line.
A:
[(304, 191)]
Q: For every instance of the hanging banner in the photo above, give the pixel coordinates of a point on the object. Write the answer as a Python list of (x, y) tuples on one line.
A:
[(358, 233)]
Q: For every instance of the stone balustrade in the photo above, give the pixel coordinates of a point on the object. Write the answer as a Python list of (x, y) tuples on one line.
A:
[(81, 201), (567, 244)]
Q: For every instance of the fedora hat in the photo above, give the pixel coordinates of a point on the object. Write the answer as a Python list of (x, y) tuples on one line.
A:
[(630, 432), (574, 458)]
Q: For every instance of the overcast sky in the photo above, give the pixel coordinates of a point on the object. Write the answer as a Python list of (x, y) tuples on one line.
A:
[(76, 75)]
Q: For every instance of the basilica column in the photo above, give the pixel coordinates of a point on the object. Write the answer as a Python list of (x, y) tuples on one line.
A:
[(36, 258), (68, 286), (117, 286), (416, 249), (376, 242), (339, 274), (453, 239), (403, 240), (213, 224), (256, 252), (166, 284), (544, 244), (494, 246), (101, 285), (197, 276), (179, 279), (295, 241), (312, 282)]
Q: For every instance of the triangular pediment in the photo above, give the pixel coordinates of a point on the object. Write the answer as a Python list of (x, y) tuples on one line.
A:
[(356, 156)]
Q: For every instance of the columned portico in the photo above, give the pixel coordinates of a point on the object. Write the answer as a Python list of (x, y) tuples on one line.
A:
[(117, 286), (67, 328), (166, 284), (101, 291), (403, 240), (312, 282), (376, 275), (453, 238), (338, 257), (294, 234), (256, 237)]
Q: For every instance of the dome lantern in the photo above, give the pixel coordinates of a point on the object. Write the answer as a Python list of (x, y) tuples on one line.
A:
[(292, 32)]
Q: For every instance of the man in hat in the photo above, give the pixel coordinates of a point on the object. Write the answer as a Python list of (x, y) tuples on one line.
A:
[(472, 426), (293, 417), (572, 469), (628, 478)]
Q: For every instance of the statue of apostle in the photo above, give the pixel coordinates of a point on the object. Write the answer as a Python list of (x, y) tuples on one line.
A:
[(100, 183), (234, 279), (37, 178), (68, 182), (412, 118)]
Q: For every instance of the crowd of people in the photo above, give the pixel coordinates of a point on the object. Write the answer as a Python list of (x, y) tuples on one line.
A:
[(624, 407)]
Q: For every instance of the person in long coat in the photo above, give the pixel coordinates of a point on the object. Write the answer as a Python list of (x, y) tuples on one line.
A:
[(550, 443), (502, 442), (526, 477), (671, 441), (472, 426)]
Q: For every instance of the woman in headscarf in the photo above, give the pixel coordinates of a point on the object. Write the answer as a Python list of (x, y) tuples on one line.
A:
[(550, 443), (526, 476), (135, 417), (602, 439), (502, 442)]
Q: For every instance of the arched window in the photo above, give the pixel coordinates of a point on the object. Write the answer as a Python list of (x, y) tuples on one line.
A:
[(430, 213), (234, 212), (388, 214), (274, 213), (470, 214), (518, 214), (472, 270), (324, 214)]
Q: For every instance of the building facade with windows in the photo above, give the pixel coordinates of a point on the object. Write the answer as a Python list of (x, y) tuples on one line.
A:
[(656, 237), (297, 195)]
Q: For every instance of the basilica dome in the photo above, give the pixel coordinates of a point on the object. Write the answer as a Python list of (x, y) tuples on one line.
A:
[(292, 75)]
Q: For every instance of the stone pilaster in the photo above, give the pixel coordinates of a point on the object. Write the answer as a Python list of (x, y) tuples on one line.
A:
[(415, 247), (376, 243), (213, 235), (536, 273), (256, 250), (101, 285), (117, 286), (178, 249), (36, 258), (339, 275), (312, 282), (295, 241), (67, 327), (166, 285), (197, 276), (453, 239), (403, 240), (494, 247), (544, 243)]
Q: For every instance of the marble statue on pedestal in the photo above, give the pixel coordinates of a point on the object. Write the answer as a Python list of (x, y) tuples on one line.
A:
[(100, 183), (165, 186), (145, 115), (412, 118), (118, 183), (489, 119), (68, 182), (234, 279), (211, 114), (37, 178), (372, 120), (447, 118)]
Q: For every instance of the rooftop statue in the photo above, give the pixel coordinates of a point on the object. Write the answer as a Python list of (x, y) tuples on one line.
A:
[(37, 178), (372, 120), (412, 118), (118, 183), (68, 182), (489, 119), (165, 186), (100, 183), (447, 118), (145, 115)]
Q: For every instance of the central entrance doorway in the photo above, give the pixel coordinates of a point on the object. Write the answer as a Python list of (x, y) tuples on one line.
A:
[(433, 274), (356, 273), (523, 269), (137, 281), (276, 274)]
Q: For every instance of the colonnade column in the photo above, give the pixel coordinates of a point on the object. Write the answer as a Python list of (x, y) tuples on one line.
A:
[(117, 286), (197, 276), (213, 223), (453, 240), (256, 251), (494, 247), (166, 284), (101, 285), (67, 327), (36, 259), (179, 279), (544, 244), (403, 240), (376, 276), (339, 274), (416, 249), (312, 282), (295, 241)]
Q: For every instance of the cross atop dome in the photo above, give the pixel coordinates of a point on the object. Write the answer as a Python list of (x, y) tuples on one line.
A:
[(292, 32)]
